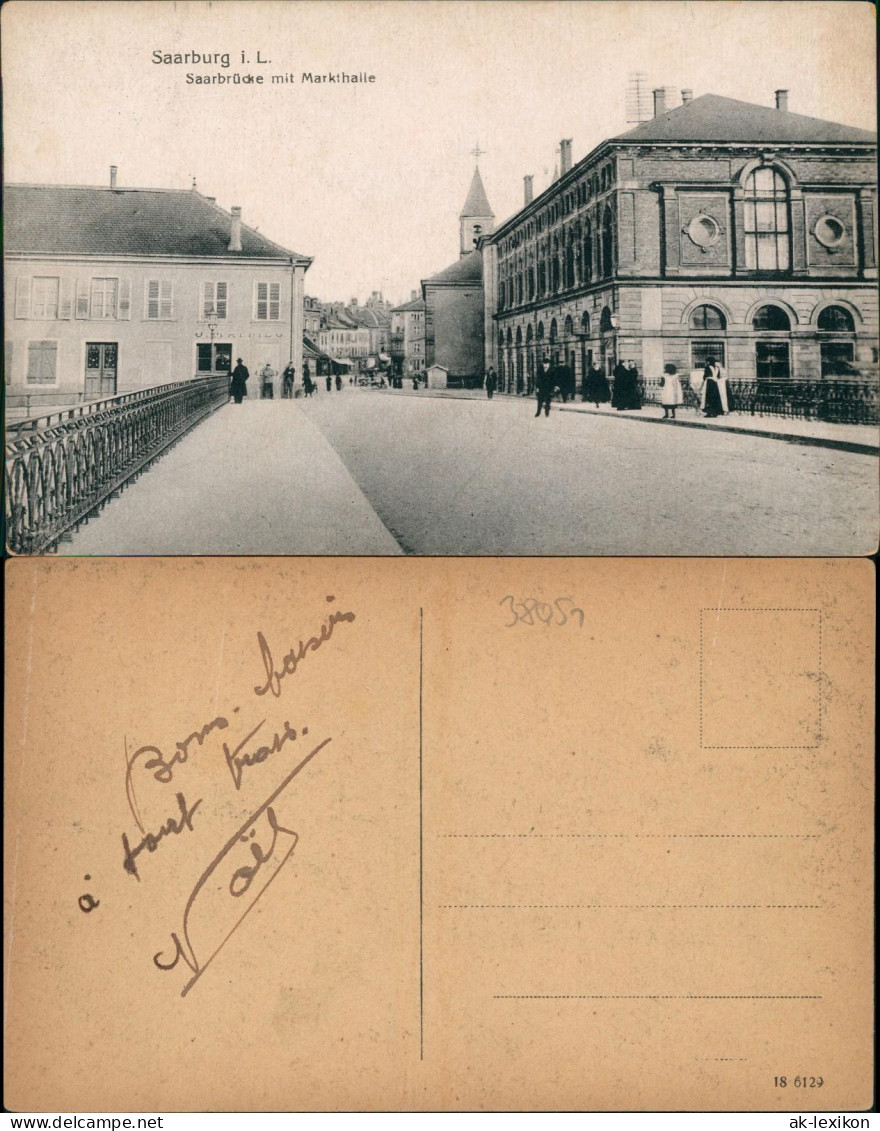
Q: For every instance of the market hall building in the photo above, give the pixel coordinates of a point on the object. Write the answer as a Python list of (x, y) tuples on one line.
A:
[(717, 229)]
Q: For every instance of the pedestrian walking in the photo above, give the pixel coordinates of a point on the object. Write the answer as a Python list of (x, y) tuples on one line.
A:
[(267, 382), (565, 382), (596, 390), (491, 382), (626, 387), (238, 383), (671, 395), (545, 383), (287, 379), (329, 383), (338, 383), (714, 396)]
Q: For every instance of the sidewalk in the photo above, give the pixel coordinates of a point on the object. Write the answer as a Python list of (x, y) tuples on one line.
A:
[(863, 439), (256, 478)]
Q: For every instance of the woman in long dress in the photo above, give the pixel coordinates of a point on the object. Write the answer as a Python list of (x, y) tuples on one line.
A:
[(626, 387), (671, 395), (714, 390), (596, 389)]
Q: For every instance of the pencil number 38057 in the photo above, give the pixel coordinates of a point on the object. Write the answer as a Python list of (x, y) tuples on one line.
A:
[(531, 611)]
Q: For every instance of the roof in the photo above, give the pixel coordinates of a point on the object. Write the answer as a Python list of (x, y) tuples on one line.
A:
[(413, 304), (71, 220), (476, 203), (310, 350), (713, 118), (467, 271)]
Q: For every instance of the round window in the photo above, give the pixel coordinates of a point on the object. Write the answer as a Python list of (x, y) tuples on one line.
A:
[(703, 231), (829, 231)]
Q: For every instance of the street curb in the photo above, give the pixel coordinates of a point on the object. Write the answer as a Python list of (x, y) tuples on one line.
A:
[(810, 441)]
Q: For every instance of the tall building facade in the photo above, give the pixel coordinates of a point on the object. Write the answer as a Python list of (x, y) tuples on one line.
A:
[(716, 229), (110, 290)]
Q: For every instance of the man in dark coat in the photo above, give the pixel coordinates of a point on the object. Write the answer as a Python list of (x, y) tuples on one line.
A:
[(545, 383), (238, 384), (565, 382), (491, 382), (287, 381)]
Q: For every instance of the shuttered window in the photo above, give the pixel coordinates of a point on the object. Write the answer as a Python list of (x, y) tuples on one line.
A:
[(158, 302), (44, 297), (267, 302), (214, 300), (42, 358), (103, 298)]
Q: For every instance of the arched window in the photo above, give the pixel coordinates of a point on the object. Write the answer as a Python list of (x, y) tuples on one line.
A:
[(509, 336), (766, 221), (587, 261), (605, 322), (836, 320), (553, 331), (569, 326), (519, 335), (585, 324), (707, 318), (540, 331), (531, 283), (501, 292), (607, 244), (837, 357), (771, 319), (569, 266), (528, 335), (554, 272), (772, 358)]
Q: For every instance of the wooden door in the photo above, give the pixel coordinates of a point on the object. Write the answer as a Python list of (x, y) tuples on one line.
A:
[(102, 360)]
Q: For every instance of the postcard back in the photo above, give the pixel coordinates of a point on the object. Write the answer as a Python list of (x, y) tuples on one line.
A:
[(411, 834)]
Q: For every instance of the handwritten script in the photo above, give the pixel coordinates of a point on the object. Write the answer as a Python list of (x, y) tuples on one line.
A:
[(255, 854)]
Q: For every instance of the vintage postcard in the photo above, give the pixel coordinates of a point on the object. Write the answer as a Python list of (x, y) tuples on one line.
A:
[(390, 278), (340, 834)]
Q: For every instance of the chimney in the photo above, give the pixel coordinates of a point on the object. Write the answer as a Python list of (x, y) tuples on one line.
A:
[(235, 234), (112, 176), (659, 101), (782, 100), (564, 156), (528, 189), (413, 295), (686, 96)]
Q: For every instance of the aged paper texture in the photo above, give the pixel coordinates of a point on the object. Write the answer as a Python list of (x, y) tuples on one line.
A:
[(401, 835)]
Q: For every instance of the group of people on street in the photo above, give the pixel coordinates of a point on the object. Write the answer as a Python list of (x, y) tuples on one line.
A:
[(625, 394), (241, 375)]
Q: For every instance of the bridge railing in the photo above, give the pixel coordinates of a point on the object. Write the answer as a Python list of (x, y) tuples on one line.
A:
[(834, 401), (60, 467)]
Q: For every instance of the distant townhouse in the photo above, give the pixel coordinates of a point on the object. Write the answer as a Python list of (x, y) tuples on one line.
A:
[(408, 336), (113, 289), (717, 229)]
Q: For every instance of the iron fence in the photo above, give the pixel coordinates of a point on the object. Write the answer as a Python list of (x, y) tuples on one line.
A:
[(62, 466), (839, 402)]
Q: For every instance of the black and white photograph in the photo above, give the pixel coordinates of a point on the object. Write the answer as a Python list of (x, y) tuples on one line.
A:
[(382, 278)]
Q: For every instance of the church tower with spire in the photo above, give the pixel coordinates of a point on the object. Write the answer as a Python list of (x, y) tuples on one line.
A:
[(477, 218)]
